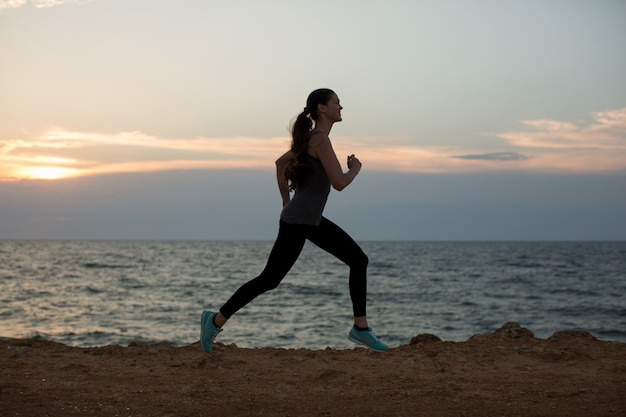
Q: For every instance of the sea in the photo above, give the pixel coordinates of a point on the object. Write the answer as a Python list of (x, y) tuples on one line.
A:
[(96, 293)]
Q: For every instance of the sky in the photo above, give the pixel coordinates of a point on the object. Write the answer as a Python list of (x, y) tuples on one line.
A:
[(161, 119)]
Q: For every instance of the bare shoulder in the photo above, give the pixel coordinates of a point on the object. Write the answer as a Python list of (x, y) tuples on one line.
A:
[(321, 147), (317, 143), (317, 138)]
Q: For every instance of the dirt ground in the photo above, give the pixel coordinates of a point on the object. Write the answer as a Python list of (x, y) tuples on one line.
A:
[(505, 373)]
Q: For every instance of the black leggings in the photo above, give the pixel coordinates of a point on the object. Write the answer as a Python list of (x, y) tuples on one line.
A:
[(289, 243)]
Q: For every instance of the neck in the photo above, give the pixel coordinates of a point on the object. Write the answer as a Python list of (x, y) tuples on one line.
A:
[(323, 125)]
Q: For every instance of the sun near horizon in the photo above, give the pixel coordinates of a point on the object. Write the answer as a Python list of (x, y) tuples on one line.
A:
[(44, 173)]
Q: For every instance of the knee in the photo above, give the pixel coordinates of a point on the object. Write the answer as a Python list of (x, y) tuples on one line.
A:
[(360, 261), (268, 285)]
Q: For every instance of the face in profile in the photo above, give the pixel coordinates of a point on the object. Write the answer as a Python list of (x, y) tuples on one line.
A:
[(333, 109)]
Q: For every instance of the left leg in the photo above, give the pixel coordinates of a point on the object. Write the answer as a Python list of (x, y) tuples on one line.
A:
[(334, 240)]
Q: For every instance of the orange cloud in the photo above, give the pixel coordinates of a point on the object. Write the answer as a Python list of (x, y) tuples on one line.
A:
[(40, 4), (607, 131), (60, 153), (551, 146)]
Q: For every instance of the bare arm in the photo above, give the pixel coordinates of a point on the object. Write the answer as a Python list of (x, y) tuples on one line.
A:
[(321, 148), (283, 185)]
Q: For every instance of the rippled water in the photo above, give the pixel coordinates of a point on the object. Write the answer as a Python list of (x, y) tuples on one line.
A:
[(104, 292)]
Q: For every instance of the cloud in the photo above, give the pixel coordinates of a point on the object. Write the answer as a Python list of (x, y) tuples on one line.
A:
[(497, 156), (40, 4), (552, 146), (68, 153), (607, 130), (60, 153), (12, 4), (596, 145)]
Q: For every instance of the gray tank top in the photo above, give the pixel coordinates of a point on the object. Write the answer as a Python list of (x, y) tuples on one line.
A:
[(308, 202)]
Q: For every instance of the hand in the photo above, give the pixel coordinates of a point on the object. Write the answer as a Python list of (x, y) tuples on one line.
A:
[(353, 162)]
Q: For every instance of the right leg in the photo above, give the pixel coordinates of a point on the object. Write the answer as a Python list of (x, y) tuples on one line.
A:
[(284, 254)]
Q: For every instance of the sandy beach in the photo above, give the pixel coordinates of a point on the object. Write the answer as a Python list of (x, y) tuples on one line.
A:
[(508, 372)]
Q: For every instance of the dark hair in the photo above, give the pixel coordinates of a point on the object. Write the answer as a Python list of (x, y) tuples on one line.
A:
[(297, 169)]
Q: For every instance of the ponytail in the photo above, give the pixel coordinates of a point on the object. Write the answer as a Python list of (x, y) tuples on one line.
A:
[(298, 168)]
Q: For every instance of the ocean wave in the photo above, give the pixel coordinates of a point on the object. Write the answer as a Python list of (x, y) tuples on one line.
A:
[(96, 265), (99, 293)]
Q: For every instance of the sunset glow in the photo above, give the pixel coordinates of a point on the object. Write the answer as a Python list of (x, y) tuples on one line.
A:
[(544, 145), (44, 173), (132, 118)]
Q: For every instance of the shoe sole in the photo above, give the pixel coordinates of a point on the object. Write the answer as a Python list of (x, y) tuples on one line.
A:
[(359, 342)]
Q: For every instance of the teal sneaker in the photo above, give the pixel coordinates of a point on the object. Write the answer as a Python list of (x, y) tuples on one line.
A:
[(368, 339), (208, 330)]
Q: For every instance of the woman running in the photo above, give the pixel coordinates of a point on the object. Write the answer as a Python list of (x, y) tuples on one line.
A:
[(308, 169)]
